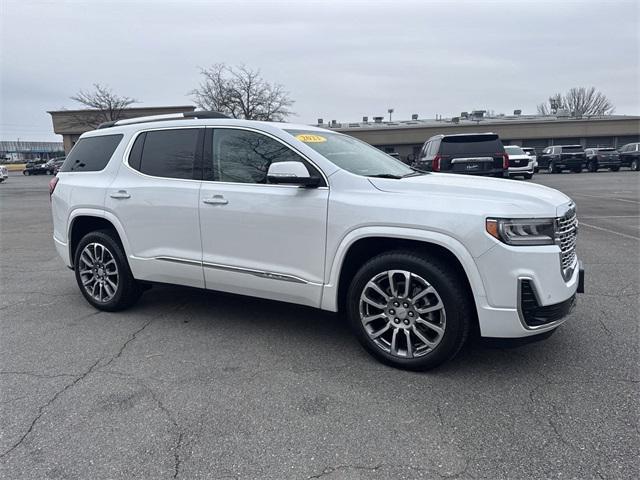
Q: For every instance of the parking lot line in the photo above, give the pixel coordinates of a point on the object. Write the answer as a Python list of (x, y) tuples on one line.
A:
[(610, 231), (606, 198)]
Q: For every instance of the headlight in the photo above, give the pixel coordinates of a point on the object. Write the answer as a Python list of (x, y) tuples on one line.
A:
[(522, 231)]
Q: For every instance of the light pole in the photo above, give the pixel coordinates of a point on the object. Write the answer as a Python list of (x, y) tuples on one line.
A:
[(390, 112)]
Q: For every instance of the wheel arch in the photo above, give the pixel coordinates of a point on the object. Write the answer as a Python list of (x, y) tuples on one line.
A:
[(83, 221), (359, 246)]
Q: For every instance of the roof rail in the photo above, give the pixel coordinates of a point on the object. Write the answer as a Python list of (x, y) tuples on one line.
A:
[(159, 118)]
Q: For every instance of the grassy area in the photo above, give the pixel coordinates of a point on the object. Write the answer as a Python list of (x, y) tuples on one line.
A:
[(15, 167)]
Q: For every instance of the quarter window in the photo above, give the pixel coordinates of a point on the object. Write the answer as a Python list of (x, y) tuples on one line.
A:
[(241, 156), (166, 153), (91, 154)]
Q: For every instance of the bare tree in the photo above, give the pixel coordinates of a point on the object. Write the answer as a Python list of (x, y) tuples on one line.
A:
[(103, 105), (579, 102), (241, 92)]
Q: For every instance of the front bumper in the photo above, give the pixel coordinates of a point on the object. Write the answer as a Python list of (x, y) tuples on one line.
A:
[(508, 310), (528, 169)]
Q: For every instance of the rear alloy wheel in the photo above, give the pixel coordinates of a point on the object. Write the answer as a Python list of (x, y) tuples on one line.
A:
[(408, 311), (103, 273)]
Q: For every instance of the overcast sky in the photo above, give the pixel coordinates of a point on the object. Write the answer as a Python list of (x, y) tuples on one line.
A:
[(338, 59)]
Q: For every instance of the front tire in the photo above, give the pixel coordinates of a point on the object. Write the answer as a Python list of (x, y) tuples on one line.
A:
[(528, 176), (552, 168), (103, 273), (634, 165), (593, 166), (408, 310)]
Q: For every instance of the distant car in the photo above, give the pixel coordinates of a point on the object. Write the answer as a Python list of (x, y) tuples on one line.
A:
[(532, 153), (4, 173), (602, 158), (35, 168), (468, 153), (520, 164), (557, 158), (630, 156), (55, 165)]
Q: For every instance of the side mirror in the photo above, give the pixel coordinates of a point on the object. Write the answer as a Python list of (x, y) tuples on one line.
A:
[(291, 173)]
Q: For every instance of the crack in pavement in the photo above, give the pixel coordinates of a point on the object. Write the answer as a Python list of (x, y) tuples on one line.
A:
[(56, 395), (331, 469), (41, 409)]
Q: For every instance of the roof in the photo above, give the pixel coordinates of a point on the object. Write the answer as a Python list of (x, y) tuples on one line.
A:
[(451, 122)]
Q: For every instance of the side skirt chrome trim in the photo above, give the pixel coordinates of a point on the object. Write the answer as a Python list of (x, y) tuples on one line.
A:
[(230, 268)]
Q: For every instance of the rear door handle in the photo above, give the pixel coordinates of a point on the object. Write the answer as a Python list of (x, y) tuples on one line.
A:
[(216, 200), (120, 194)]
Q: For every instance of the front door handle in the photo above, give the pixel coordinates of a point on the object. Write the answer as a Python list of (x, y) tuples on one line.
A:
[(216, 200), (120, 194)]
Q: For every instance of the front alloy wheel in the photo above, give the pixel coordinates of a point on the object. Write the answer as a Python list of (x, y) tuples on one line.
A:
[(402, 313), (409, 310)]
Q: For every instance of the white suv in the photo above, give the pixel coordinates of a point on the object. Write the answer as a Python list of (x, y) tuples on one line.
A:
[(295, 213)]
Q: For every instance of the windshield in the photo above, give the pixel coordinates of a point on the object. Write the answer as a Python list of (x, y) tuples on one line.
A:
[(514, 150), (353, 155)]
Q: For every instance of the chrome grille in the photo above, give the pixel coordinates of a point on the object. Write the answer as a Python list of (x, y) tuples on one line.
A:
[(566, 235)]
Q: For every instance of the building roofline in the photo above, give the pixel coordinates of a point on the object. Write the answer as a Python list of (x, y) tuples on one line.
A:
[(128, 109)]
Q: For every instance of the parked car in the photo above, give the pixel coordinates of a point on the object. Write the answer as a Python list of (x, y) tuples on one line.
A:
[(602, 158), (520, 164), (630, 156), (532, 153), (471, 154), (557, 158), (55, 164), (416, 261), (35, 168), (4, 173)]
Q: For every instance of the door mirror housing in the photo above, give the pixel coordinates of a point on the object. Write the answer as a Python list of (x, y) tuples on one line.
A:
[(291, 173)]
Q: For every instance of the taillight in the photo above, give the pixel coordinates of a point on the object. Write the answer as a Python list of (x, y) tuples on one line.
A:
[(436, 163), (52, 186), (505, 161)]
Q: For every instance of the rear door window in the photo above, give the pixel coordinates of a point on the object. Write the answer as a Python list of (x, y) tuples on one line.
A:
[(91, 154), (476, 144), (167, 153)]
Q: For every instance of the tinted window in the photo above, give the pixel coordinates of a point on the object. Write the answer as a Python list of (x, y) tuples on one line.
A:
[(512, 150), (572, 148), (463, 144), (170, 153), (242, 156), (91, 154), (135, 156)]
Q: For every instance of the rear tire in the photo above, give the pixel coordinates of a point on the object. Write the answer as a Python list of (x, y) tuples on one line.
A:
[(103, 273), (436, 306)]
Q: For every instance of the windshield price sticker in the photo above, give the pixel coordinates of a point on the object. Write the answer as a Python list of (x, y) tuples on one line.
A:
[(308, 138)]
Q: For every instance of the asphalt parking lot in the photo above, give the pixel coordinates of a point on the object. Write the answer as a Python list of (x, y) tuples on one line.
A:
[(193, 384)]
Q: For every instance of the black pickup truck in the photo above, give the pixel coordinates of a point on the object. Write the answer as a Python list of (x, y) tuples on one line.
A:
[(557, 158)]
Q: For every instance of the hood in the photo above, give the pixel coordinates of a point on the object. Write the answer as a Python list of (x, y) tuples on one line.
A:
[(500, 196)]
